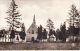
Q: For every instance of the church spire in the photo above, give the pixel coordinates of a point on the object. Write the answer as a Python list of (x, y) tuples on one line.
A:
[(34, 21)]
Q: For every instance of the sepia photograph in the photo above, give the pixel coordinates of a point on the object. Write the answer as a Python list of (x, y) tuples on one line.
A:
[(39, 25)]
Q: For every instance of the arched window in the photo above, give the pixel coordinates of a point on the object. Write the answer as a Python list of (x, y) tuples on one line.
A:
[(32, 31)]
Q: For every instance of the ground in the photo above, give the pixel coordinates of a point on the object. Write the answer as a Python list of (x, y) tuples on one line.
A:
[(39, 46)]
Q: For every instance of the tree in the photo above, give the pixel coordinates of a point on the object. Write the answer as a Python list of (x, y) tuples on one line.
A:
[(41, 32), (74, 18), (51, 32), (44, 34), (13, 17), (57, 34), (50, 26), (22, 33), (2, 34), (73, 21), (23, 27), (39, 37), (76, 31), (63, 34)]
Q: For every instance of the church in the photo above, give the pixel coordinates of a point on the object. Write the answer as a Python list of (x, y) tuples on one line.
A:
[(32, 31)]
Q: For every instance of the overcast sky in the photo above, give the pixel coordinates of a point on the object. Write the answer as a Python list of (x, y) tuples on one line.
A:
[(56, 10)]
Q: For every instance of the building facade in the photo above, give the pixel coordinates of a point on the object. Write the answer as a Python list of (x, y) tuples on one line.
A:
[(32, 31)]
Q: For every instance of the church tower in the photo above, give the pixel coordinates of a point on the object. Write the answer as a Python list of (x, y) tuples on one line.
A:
[(33, 28), (32, 31), (34, 21)]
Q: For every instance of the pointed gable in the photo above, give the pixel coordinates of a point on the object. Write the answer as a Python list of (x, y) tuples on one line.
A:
[(33, 28)]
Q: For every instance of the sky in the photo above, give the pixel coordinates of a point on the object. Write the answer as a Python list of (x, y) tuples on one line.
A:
[(56, 10)]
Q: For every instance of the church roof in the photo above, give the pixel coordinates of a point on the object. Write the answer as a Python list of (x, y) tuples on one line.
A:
[(33, 26)]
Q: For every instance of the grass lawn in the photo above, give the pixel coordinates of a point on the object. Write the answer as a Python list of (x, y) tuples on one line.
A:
[(39, 46)]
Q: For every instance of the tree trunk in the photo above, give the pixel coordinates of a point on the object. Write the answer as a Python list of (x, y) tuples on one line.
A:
[(10, 39), (70, 38), (5, 38)]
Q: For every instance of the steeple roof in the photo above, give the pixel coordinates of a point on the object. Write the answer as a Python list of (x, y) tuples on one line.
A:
[(34, 21), (33, 26)]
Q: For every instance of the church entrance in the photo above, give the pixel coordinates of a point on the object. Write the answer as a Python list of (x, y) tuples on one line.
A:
[(32, 39)]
